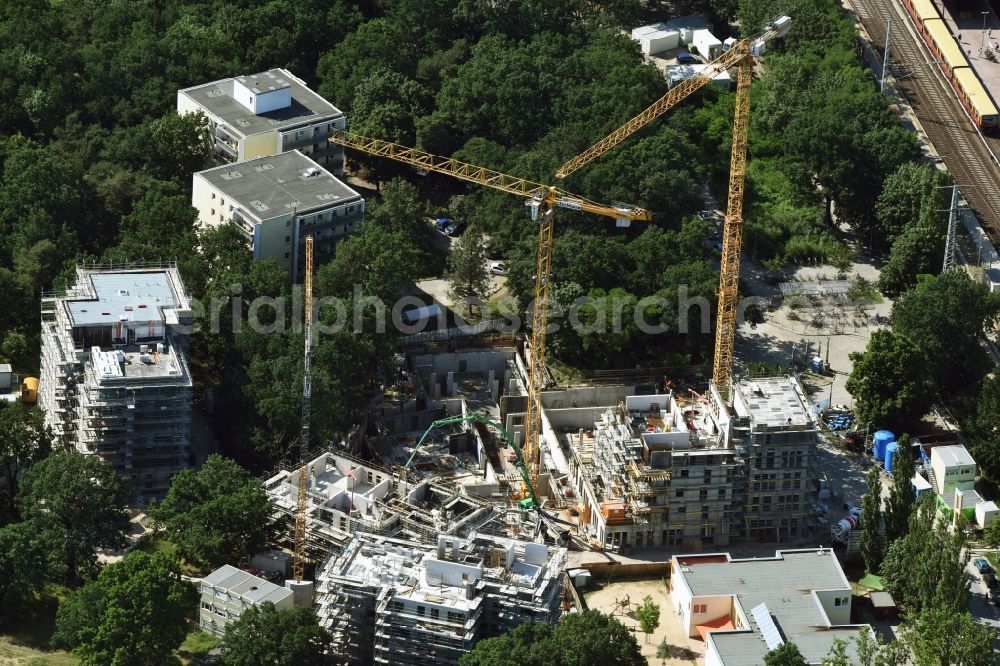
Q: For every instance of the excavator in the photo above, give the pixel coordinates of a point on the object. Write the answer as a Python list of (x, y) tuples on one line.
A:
[(529, 503)]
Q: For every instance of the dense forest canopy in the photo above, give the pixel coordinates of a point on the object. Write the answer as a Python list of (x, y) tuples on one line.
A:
[(96, 165)]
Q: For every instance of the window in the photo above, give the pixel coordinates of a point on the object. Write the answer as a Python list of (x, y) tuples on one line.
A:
[(212, 211), (699, 609), (288, 239), (288, 223), (286, 255), (435, 613), (396, 606), (213, 195), (703, 494), (222, 202), (638, 539), (684, 474), (839, 602), (722, 493), (679, 493)]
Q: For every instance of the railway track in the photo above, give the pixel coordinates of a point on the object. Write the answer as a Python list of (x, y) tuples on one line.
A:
[(954, 136)]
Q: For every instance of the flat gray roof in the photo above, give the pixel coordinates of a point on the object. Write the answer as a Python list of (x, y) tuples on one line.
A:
[(785, 584), (255, 590), (953, 455), (307, 106), (140, 295), (773, 401), (270, 186)]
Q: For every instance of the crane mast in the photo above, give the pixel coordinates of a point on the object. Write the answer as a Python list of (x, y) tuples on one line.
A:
[(299, 557), (732, 236), (542, 200), (740, 56)]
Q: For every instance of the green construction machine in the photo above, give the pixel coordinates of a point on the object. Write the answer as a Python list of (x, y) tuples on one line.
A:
[(528, 503)]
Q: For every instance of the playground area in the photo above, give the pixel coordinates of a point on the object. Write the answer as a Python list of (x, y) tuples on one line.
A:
[(621, 598)]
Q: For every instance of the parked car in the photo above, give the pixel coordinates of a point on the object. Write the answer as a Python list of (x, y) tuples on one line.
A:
[(995, 596), (454, 229), (442, 223), (706, 215), (498, 268), (991, 580), (982, 566), (687, 59)]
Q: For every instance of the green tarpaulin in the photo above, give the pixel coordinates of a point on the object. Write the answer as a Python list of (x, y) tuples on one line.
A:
[(872, 582)]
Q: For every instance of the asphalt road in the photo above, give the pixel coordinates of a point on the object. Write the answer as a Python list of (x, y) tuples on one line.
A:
[(982, 609)]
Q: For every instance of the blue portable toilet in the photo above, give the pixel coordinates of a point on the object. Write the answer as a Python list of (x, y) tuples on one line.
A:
[(890, 452), (816, 365), (882, 440)]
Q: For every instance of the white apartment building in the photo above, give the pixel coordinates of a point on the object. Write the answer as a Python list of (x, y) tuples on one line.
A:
[(265, 114), (276, 201), (228, 591), (114, 378), (389, 601)]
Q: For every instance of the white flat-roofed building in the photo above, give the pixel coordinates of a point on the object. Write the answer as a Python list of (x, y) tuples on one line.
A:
[(114, 378), (953, 468), (228, 591), (276, 201), (265, 114), (743, 608)]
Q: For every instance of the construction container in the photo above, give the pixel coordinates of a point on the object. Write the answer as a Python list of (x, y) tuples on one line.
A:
[(890, 452), (986, 513), (659, 41), (643, 30), (707, 44), (882, 439)]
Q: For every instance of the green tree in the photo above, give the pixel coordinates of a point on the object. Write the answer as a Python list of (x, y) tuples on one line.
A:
[(837, 656), (265, 635), (889, 381), (24, 440), (578, 638), (873, 651), (787, 654), (949, 637), (215, 515), (944, 319), (467, 271), (925, 568), (76, 504), (134, 612), (902, 496), (872, 545), (908, 195), (919, 250), (648, 614), (22, 560), (991, 536)]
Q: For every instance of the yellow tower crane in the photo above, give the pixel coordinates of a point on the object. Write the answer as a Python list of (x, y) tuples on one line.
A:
[(299, 556), (541, 200), (740, 56)]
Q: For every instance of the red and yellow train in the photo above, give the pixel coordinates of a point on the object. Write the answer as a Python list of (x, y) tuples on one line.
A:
[(954, 64)]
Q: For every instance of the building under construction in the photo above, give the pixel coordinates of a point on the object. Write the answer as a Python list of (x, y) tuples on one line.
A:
[(390, 601), (114, 376)]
